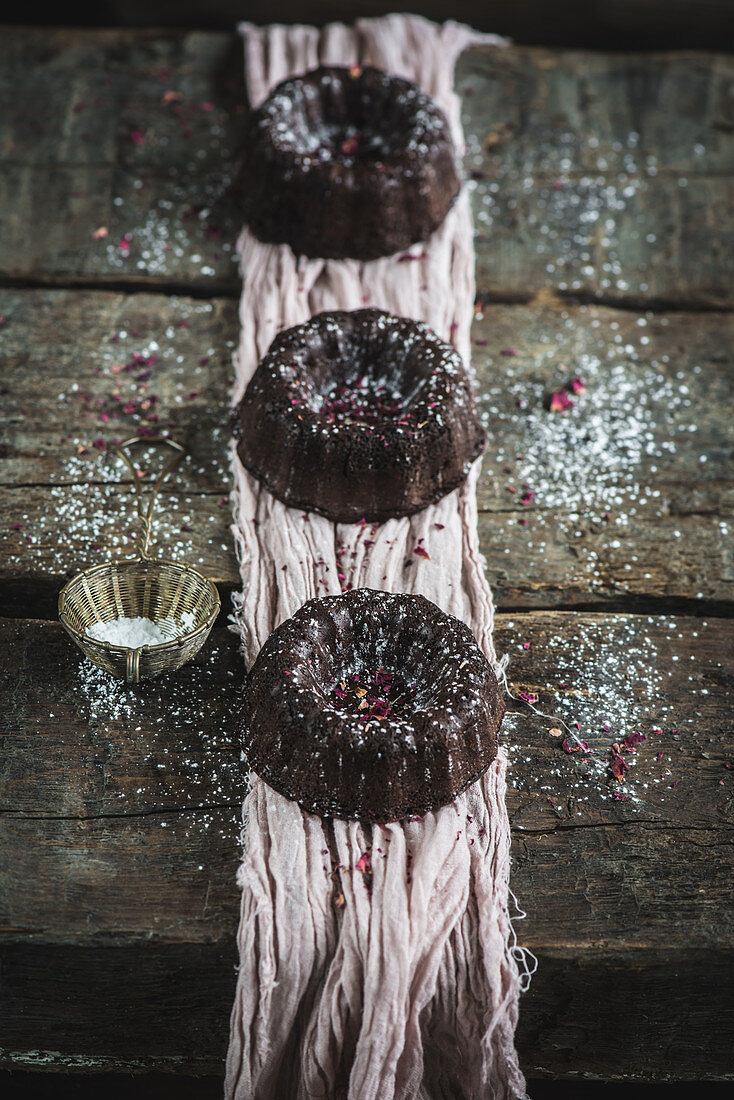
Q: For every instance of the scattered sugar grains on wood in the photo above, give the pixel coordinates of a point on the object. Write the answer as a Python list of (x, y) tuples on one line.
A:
[(614, 688), (572, 216), (173, 732), (137, 384), (586, 468), (192, 222)]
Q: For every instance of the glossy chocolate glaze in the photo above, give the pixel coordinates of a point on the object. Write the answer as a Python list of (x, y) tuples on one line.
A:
[(337, 762), (359, 415), (347, 163)]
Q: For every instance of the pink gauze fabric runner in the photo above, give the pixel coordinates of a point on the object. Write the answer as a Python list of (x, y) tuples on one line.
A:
[(410, 990)]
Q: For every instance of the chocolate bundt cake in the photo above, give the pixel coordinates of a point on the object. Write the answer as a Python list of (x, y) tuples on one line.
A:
[(347, 163), (371, 705), (359, 415)]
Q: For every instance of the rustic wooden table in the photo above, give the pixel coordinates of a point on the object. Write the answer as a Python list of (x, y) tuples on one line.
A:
[(602, 187)]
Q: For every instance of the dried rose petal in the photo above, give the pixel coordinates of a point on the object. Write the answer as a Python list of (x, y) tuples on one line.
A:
[(349, 147), (617, 764), (575, 746), (364, 863), (560, 402)]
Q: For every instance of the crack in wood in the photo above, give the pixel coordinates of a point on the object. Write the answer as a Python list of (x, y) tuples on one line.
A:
[(34, 598), (20, 815), (660, 823), (135, 284), (130, 285)]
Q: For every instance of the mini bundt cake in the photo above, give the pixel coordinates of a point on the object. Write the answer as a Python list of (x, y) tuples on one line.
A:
[(371, 705), (347, 163), (359, 415)]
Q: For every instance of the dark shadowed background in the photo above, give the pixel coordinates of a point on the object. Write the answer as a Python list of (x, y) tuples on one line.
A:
[(596, 24)]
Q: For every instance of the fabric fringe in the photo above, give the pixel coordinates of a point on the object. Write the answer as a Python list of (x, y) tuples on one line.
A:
[(405, 989), (397, 977)]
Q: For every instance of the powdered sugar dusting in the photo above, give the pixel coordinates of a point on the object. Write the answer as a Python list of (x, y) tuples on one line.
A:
[(171, 733), (132, 633), (617, 681), (597, 485), (632, 411), (150, 369)]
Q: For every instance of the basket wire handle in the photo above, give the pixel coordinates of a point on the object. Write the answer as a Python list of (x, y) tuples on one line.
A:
[(145, 514)]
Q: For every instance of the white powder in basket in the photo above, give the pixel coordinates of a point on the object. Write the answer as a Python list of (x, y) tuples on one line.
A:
[(134, 633)]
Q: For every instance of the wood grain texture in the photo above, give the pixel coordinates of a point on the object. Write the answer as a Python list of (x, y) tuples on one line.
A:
[(132, 132), (119, 822), (628, 495), (597, 177), (603, 176), (629, 502)]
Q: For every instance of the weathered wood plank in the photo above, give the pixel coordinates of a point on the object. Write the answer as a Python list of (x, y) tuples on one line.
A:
[(82, 370), (576, 667), (545, 105), (632, 488), (628, 494), (585, 185), (665, 242), (175, 1002), (606, 175), (120, 834), (132, 132)]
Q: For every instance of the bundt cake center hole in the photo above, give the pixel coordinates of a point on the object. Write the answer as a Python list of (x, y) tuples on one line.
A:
[(375, 694), (361, 399), (337, 124), (347, 119), (349, 142)]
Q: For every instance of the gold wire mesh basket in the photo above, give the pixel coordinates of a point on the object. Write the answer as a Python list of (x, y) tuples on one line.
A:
[(145, 587)]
